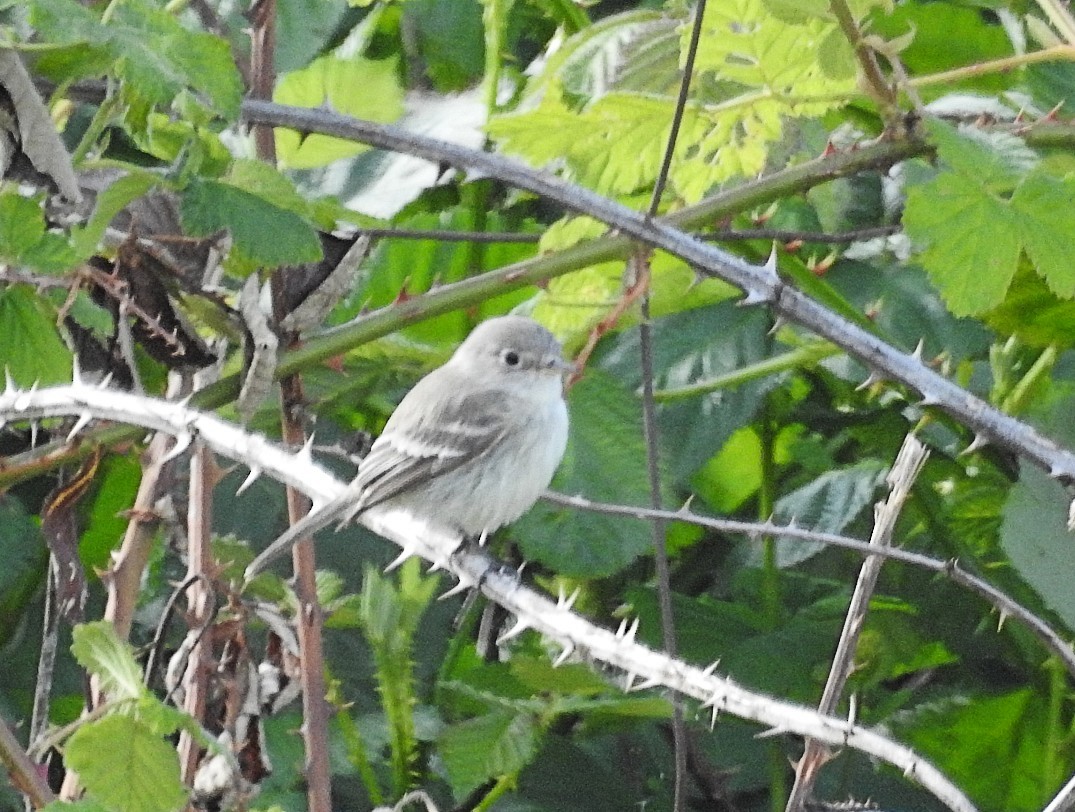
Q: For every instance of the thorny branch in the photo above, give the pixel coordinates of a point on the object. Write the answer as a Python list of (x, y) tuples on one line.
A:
[(474, 569), (761, 284)]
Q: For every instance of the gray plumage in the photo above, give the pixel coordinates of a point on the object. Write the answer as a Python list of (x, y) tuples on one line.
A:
[(472, 446)]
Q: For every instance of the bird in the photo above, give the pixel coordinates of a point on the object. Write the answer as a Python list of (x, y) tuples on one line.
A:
[(471, 446)]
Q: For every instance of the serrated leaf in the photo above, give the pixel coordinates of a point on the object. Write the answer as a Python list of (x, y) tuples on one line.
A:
[(126, 766), (969, 736), (973, 240), (1034, 534), (155, 56), (1046, 215), (1034, 314), (100, 651), (261, 230), (995, 160), (828, 505), (690, 348), (21, 225), (496, 744), (30, 348), (355, 86), (81, 805)]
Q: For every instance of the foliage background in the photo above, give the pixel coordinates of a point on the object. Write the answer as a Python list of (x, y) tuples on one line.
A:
[(960, 244)]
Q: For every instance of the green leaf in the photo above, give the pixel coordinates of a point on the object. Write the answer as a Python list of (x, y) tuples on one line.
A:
[(364, 88), (1046, 215), (110, 202), (1034, 314), (968, 737), (22, 224), (973, 240), (21, 545), (126, 766), (30, 347), (828, 505), (263, 231), (690, 348), (98, 650), (499, 743), (605, 436), (151, 52), (1034, 534), (995, 160), (81, 805)]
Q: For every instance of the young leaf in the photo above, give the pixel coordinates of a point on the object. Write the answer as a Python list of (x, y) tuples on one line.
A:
[(103, 654), (126, 766), (30, 347), (364, 88), (499, 743), (972, 237)]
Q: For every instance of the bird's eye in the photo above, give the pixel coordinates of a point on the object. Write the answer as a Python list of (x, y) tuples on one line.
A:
[(511, 358)]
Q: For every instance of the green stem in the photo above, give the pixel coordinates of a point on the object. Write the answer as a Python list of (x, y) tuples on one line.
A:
[(1017, 398), (1052, 770), (101, 119), (495, 19), (766, 500), (357, 755), (503, 784), (799, 358)]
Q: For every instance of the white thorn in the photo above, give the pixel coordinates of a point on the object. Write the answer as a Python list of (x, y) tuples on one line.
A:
[(628, 682), (463, 585), (871, 379), (622, 630), (852, 709), (771, 733), (652, 682), (1003, 616), (34, 427), (980, 441), (561, 658), (709, 669), (713, 718), (182, 443), (76, 373), (565, 603), (184, 402), (483, 537), (80, 424), (406, 553), (9, 382), (632, 630), (770, 264), (105, 382), (251, 478), (753, 297), (919, 351), (306, 453), (519, 627)]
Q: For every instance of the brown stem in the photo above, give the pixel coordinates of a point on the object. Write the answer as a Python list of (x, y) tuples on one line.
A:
[(263, 69), (203, 476), (21, 771), (876, 85)]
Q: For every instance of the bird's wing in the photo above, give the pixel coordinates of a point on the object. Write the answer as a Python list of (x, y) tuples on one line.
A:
[(424, 438), (412, 451)]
